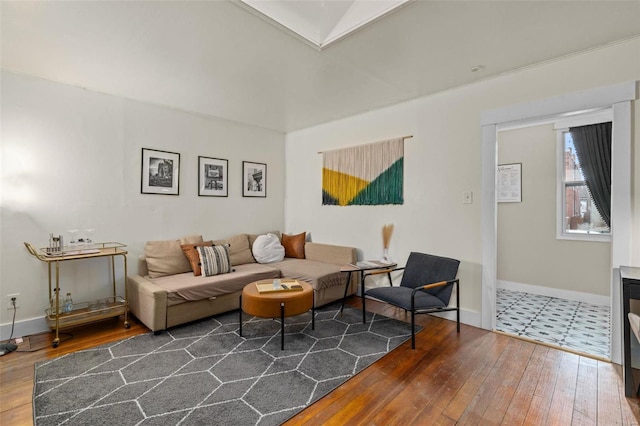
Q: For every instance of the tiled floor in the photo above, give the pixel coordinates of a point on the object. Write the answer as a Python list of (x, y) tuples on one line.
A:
[(568, 324)]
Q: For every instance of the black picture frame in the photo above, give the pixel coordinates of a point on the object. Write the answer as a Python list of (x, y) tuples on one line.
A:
[(160, 172), (254, 179), (213, 177)]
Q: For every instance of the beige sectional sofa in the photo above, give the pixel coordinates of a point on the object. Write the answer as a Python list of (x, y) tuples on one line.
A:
[(166, 293)]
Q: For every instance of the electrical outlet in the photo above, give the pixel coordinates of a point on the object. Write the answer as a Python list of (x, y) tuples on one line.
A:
[(10, 303), (467, 197)]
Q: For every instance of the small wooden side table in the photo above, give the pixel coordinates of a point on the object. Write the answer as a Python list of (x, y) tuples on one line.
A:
[(365, 268), (278, 303)]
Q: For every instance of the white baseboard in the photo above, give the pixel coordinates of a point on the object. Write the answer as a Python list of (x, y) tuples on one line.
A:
[(471, 318), (24, 328), (594, 299)]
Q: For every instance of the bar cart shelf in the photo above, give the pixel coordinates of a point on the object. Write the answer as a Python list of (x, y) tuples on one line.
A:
[(83, 312)]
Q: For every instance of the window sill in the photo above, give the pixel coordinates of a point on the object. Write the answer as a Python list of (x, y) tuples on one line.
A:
[(602, 238)]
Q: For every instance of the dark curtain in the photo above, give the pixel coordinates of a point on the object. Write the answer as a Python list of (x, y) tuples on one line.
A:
[(593, 148)]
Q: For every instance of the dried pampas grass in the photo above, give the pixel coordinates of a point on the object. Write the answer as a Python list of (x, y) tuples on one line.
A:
[(387, 231)]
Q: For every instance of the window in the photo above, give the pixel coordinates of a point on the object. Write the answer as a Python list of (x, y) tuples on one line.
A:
[(578, 214)]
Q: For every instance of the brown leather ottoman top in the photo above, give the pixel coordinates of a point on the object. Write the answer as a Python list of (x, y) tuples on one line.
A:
[(267, 305)]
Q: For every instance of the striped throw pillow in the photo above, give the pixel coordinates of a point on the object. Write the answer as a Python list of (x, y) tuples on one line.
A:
[(214, 260)]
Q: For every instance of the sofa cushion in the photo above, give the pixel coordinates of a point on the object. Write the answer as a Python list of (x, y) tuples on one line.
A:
[(165, 258), (252, 237), (267, 249), (192, 254), (294, 245), (328, 253), (191, 239), (187, 287), (319, 274), (214, 260), (239, 249)]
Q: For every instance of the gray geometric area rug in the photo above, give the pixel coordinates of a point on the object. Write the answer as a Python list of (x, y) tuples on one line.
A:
[(205, 373)]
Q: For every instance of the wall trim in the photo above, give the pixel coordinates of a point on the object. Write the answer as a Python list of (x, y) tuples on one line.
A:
[(586, 100), (578, 296), (24, 328), (471, 318)]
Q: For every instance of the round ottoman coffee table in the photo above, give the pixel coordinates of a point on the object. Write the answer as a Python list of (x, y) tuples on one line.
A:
[(277, 304)]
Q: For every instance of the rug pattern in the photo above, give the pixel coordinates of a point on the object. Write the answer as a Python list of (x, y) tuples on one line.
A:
[(205, 373)]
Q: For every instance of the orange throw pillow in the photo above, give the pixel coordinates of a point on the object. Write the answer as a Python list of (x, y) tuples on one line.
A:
[(294, 245), (194, 257)]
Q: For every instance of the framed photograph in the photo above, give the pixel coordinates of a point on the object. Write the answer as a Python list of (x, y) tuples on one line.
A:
[(254, 179), (212, 177), (160, 172)]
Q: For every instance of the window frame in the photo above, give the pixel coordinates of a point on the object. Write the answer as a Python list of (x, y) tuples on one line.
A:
[(561, 127)]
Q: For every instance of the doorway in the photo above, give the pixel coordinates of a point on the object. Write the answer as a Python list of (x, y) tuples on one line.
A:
[(546, 291), (618, 98)]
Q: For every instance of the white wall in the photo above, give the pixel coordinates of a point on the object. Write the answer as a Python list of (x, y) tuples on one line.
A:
[(528, 250), (71, 158), (441, 161)]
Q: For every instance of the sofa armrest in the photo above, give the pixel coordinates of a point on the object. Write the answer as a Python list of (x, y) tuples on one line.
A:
[(142, 266), (328, 253), (147, 302)]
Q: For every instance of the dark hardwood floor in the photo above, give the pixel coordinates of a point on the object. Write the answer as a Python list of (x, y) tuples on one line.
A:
[(474, 377)]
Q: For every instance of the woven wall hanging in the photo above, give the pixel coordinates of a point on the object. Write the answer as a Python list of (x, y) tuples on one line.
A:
[(370, 174)]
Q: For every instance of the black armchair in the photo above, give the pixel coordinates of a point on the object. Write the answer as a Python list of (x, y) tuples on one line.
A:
[(426, 287)]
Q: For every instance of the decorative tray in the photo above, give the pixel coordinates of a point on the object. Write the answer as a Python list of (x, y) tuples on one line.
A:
[(285, 285)]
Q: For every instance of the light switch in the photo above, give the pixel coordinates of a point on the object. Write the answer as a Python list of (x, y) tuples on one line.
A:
[(467, 197)]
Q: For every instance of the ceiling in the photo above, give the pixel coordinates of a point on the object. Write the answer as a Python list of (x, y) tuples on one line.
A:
[(220, 59), (323, 22)]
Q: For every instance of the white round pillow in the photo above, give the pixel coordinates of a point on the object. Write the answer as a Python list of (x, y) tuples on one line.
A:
[(267, 249)]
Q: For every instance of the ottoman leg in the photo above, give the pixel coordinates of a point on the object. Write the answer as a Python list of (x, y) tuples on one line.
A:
[(313, 310), (240, 313), (282, 326)]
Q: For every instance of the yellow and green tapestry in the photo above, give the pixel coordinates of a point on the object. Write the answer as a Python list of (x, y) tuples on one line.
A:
[(364, 175)]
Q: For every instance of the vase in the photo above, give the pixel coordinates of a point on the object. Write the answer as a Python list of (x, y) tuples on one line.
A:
[(385, 257)]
